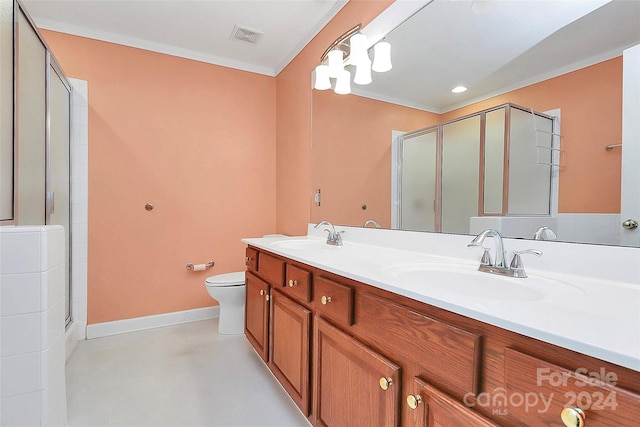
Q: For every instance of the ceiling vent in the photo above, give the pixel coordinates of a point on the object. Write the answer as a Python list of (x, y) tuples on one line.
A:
[(246, 35)]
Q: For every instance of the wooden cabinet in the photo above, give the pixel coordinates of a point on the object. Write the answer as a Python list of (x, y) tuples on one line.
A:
[(537, 392), (298, 283), (334, 301), (431, 407), (290, 348), (350, 354), (354, 385), (256, 314)]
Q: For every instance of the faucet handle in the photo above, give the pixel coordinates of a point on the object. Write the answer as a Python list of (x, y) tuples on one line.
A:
[(486, 257), (516, 262)]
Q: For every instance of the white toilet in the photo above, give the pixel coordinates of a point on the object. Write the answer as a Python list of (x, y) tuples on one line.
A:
[(229, 290)]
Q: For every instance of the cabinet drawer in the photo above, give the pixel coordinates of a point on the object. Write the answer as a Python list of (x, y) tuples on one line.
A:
[(271, 269), (251, 260), (298, 283), (334, 301), (537, 392), (448, 356)]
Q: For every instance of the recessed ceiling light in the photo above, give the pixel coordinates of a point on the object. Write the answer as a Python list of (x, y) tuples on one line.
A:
[(459, 89)]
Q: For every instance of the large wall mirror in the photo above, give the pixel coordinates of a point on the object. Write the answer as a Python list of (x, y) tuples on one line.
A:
[(561, 59)]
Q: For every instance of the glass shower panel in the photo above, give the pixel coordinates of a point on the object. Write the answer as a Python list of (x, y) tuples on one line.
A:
[(59, 139), (494, 161), (460, 174), (6, 110), (31, 125), (530, 156), (418, 192)]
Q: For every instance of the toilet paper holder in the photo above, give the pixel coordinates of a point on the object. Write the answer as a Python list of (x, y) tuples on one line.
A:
[(200, 267)]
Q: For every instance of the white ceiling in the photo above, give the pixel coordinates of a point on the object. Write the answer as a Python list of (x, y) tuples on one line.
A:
[(490, 46), (197, 30), (495, 46)]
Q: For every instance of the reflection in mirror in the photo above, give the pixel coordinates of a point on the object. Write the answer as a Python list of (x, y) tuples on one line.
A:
[(582, 85)]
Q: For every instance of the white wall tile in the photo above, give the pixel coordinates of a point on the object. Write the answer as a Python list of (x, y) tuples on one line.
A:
[(19, 294), (79, 213), (80, 312), (52, 363), (52, 325), (52, 286), (52, 247), (20, 334), (22, 410), (19, 251), (20, 374)]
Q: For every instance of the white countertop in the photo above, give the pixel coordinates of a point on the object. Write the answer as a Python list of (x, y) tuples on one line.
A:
[(594, 316)]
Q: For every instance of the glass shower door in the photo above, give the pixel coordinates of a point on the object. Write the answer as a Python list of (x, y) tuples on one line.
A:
[(58, 169), (418, 188)]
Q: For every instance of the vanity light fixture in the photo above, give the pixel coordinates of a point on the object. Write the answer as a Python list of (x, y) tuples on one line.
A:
[(459, 89), (351, 49)]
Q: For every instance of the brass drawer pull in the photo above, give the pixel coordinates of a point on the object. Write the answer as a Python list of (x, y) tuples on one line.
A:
[(261, 291), (573, 417), (248, 259), (292, 283), (385, 383), (414, 401), (326, 300)]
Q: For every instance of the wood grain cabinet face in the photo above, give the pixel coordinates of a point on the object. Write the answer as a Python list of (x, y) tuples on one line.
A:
[(298, 283), (290, 348), (256, 314), (334, 301), (271, 269), (428, 406), (251, 259), (448, 355), (538, 391), (347, 382)]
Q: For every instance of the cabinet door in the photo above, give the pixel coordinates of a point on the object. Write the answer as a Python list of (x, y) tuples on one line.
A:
[(354, 385), (289, 347), (257, 315), (429, 406)]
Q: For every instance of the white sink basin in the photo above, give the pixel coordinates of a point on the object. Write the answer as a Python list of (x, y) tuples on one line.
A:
[(461, 280)]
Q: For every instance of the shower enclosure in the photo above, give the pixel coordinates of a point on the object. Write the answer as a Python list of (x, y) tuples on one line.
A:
[(35, 131), (496, 162)]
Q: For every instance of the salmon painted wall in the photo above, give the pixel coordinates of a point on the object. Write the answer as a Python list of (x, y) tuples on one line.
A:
[(293, 122), (178, 134), (590, 100), (352, 155)]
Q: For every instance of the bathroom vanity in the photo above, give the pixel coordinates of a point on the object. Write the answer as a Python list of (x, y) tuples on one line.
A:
[(359, 336)]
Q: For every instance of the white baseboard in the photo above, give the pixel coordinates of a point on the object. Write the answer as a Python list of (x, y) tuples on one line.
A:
[(116, 327)]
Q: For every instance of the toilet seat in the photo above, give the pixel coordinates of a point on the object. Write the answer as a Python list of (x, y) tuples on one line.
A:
[(226, 279)]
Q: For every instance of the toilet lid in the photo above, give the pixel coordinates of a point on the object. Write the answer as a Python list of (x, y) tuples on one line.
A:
[(226, 279)]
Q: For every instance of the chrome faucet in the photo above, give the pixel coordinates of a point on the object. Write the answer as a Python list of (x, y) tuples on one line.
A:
[(544, 233), (499, 259), (515, 269), (373, 222), (334, 238)]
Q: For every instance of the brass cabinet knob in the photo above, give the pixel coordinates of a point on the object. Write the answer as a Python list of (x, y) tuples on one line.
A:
[(266, 297), (326, 300), (414, 401), (261, 291), (573, 417), (292, 283), (385, 383), (247, 258)]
